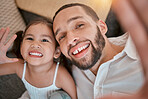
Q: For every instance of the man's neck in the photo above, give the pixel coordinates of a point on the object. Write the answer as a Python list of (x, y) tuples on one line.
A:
[(108, 53)]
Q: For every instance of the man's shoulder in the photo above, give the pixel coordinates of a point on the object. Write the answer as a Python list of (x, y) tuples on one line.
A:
[(120, 40)]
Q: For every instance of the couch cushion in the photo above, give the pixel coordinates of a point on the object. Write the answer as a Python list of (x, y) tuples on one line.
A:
[(47, 8), (10, 17)]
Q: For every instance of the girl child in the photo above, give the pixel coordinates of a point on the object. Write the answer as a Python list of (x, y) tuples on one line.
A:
[(39, 72)]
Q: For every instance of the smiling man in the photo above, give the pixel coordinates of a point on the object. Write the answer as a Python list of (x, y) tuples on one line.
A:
[(101, 67)]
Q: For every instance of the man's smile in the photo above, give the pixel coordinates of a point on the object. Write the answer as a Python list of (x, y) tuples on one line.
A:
[(79, 50)]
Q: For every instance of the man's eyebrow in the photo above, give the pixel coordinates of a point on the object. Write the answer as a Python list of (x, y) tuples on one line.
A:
[(71, 19), (74, 18)]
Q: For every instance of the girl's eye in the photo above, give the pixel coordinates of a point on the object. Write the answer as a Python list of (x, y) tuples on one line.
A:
[(29, 38), (61, 37), (45, 40), (79, 26)]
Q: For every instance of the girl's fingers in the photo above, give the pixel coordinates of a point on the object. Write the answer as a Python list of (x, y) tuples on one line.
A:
[(5, 34), (10, 41), (2, 31), (10, 60)]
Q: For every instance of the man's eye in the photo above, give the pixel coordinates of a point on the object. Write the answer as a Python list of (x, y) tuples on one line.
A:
[(79, 26), (45, 40), (29, 38), (61, 37)]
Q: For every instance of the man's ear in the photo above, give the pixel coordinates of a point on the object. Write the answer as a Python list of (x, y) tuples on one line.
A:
[(57, 53), (102, 26)]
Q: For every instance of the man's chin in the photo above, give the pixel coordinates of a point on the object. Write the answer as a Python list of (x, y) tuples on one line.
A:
[(82, 66)]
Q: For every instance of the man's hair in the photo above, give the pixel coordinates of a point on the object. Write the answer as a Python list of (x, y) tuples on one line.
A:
[(89, 11)]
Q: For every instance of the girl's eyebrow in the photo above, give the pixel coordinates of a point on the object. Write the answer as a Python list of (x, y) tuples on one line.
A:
[(28, 35), (44, 35)]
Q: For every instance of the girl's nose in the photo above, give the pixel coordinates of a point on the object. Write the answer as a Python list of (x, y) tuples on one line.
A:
[(35, 45)]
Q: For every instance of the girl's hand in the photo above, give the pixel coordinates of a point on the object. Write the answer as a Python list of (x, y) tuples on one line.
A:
[(4, 47)]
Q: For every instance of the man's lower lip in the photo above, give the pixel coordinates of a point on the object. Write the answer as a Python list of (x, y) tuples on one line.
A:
[(81, 54)]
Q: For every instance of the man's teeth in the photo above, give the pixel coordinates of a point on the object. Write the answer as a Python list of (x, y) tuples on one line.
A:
[(36, 54), (80, 49)]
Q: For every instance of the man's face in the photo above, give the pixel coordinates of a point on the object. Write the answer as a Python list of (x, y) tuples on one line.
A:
[(79, 37)]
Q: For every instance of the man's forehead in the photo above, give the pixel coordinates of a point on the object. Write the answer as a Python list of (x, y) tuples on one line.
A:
[(70, 12), (67, 14)]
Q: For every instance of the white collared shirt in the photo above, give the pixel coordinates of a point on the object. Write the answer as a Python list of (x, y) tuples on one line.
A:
[(121, 75)]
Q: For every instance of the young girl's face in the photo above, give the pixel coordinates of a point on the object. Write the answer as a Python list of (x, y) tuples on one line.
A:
[(38, 45)]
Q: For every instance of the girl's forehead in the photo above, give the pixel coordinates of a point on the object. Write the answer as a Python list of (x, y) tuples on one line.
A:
[(40, 28)]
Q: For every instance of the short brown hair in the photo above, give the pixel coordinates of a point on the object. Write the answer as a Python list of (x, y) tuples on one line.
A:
[(89, 11)]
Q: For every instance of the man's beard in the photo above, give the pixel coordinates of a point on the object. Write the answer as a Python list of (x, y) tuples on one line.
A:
[(96, 53)]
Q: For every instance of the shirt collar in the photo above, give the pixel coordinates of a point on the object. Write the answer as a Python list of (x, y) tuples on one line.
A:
[(130, 49), (126, 41)]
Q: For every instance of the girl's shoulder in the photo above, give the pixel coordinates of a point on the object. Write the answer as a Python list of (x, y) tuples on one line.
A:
[(20, 67), (65, 81), (62, 70), (62, 74)]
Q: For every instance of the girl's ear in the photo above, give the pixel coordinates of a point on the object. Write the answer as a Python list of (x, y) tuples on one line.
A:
[(103, 27), (57, 53)]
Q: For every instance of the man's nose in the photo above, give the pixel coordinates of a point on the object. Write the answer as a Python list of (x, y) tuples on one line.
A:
[(35, 44), (72, 38)]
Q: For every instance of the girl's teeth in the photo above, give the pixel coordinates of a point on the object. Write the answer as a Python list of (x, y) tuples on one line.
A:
[(36, 54)]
